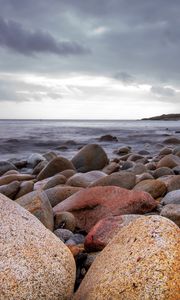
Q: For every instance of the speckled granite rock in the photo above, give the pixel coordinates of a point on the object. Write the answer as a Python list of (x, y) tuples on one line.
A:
[(35, 264), (38, 204), (141, 262)]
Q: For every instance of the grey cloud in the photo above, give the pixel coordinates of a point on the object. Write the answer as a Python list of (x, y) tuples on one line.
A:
[(163, 91), (124, 77), (15, 37)]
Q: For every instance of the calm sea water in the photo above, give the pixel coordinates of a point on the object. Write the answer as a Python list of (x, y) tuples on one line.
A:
[(20, 138)]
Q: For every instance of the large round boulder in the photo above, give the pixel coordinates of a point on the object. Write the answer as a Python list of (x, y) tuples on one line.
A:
[(169, 161), (154, 187), (90, 157), (92, 204), (141, 262), (35, 264)]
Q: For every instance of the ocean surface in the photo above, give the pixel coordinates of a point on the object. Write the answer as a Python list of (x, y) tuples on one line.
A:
[(20, 138)]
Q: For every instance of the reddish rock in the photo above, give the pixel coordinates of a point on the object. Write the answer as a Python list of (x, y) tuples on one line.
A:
[(104, 230), (90, 157), (60, 193), (92, 204), (55, 166)]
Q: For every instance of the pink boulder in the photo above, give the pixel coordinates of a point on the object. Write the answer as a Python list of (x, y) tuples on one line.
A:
[(104, 230), (93, 204)]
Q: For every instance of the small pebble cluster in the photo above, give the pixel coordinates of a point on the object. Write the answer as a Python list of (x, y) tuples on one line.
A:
[(90, 227)]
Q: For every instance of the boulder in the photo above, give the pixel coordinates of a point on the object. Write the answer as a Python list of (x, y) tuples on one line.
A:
[(172, 140), (155, 188), (169, 161), (141, 262), (143, 176), (163, 171), (25, 188), (172, 212), (35, 264), (171, 198), (55, 166), (111, 168), (6, 166), (90, 157), (108, 138), (68, 173), (92, 204), (85, 179), (104, 231), (65, 220), (138, 168), (172, 182), (122, 179), (10, 190), (15, 177), (165, 151), (54, 181), (59, 193), (38, 204), (40, 167)]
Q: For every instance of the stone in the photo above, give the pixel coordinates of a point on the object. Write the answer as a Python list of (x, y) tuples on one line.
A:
[(143, 176), (60, 193), (172, 212), (151, 166), (169, 161), (35, 264), (176, 170), (90, 259), (38, 204), (77, 238), (104, 231), (49, 155), (176, 150), (171, 198), (93, 204), (163, 171), (34, 159), (6, 166), (127, 165), (14, 177), (85, 179), (55, 166), (40, 167), (138, 168), (123, 150), (68, 173), (172, 140), (122, 179), (90, 157), (63, 234), (10, 190), (172, 182), (135, 157), (65, 220), (108, 138), (25, 188), (154, 187), (141, 262), (54, 181), (111, 168), (165, 151)]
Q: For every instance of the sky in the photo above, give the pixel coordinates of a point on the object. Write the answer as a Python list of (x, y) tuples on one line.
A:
[(81, 59)]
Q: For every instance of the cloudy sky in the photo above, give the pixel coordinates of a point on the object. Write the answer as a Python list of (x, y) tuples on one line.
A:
[(95, 59)]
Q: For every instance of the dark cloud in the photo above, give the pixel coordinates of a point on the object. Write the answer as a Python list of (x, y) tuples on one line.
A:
[(15, 37)]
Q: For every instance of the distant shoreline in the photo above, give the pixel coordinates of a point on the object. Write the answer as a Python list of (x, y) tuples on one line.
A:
[(168, 117)]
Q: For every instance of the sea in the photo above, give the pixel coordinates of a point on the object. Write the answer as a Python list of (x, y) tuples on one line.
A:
[(20, 138)]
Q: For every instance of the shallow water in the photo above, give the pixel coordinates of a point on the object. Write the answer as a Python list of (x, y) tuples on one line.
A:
[(20, 138)]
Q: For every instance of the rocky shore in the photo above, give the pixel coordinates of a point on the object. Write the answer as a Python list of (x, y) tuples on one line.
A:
[(168, 117), (91, 227)]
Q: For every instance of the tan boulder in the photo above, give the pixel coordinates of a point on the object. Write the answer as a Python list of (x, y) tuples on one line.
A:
[(25, 188), (38, 204), (85, 179), (172, 182), (35, 264), (59, 193), (141, 262), (55, 166), (155, 188), (15, 177), (10, 190), (122, 179), (169, 161)]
